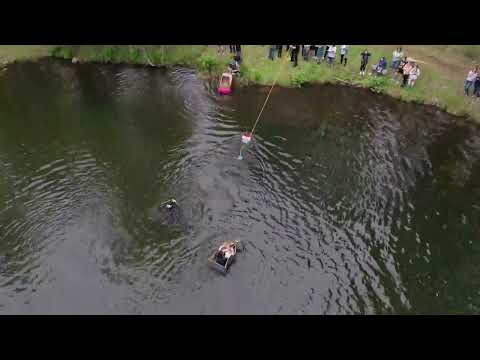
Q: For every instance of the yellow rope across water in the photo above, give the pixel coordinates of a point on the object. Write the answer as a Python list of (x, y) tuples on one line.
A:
[(268, 96)]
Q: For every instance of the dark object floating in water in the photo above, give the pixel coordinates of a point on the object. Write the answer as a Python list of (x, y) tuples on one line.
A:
[(170, 212), (224, 256)]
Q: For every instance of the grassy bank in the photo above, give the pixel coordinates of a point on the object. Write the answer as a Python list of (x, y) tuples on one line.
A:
[(441, 81), (440, 84), (11, 53), (201, 57)]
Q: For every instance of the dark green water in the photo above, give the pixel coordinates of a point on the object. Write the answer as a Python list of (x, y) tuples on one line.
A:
[(347, 202)]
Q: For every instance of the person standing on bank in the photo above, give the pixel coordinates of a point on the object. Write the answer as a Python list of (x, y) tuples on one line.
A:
[(326, 51), (476, 86), (332, 52), (343, 54), (238, 54), (238, 50), (400, 67), (365, 55), (320, 53), (294, 57), (471, 77), (413, 76), (271, 51), (279, 49), (306, 52), (397, 57), (406, 72)]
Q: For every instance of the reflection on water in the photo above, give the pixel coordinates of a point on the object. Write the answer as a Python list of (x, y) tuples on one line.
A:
[(347, 202)]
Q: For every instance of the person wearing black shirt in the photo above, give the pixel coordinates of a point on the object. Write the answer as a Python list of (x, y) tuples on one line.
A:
[(402, 63), (294, 56), (476, 85), (279, 48), (365, 55)]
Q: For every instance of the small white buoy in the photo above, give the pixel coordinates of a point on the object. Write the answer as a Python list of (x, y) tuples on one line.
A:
[(246, 138)]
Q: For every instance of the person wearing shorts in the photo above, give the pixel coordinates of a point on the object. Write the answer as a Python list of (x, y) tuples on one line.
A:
[(414, 74)]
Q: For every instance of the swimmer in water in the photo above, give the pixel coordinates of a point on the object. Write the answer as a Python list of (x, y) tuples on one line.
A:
[(171, 212), (171, 203)]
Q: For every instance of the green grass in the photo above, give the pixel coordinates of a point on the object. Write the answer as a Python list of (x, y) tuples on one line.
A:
[(9, 53), (441, 81)]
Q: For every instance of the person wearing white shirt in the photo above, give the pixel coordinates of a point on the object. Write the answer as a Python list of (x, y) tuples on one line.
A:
[(332, 52), (397, 56), (326, 51), (414, 74)]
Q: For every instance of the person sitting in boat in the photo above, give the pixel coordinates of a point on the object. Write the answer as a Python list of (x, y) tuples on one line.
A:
[(225, 252), (225, 82)]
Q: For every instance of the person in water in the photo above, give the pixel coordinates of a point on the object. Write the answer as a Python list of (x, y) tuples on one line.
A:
[(225, 81), (171, 212), (224, 253)]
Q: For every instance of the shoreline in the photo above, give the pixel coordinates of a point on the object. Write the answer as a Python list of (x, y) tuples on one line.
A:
[(256, 69)]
